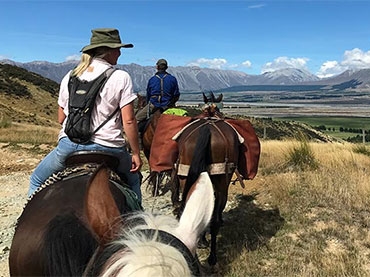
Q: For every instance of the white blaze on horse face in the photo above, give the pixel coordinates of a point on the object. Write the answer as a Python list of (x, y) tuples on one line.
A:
[(197, 213)]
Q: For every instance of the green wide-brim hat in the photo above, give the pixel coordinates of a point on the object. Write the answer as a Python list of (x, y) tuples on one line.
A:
[(107, 37)]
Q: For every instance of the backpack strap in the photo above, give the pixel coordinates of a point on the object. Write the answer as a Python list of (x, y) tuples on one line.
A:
[(100, 81), (107, 73), (160, 96), (106, 120)]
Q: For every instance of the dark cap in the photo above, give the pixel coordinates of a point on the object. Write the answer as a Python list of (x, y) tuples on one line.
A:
[(162, 61)]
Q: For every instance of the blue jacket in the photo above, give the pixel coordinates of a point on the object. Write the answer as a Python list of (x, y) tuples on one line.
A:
[(163, 98)]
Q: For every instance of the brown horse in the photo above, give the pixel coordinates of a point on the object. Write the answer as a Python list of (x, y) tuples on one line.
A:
[(74, 226), (226, 153), (222, 147), (155, 179)]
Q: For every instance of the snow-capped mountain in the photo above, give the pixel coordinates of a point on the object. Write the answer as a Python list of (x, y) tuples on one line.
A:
[(202, 79)]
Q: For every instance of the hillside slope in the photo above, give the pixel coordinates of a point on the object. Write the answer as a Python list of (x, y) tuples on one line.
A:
[(26, 97)]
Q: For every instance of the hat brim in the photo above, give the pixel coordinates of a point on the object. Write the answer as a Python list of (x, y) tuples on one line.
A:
[(110, 45)]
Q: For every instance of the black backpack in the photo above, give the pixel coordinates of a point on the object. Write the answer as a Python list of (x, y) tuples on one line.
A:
[(82, 95)]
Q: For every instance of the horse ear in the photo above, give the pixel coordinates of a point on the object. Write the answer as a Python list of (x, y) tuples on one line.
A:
[(197, 213), (101, 209), (205, 99), (219, 98), (212, 97)]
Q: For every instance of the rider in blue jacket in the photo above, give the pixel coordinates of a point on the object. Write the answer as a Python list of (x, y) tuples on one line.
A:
[(162, 92)]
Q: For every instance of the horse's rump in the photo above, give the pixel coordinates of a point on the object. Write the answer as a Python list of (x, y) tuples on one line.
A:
[(224, 147), (165, 151)]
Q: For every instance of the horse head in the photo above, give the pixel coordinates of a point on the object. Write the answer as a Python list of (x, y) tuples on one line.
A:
[(212, 98), (212, 106), (147, 244)]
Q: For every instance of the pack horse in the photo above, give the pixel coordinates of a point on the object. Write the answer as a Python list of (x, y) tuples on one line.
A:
[(227, 146)]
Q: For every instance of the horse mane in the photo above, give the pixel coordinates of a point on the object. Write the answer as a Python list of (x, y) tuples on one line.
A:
[(135, 253), (67, 232)]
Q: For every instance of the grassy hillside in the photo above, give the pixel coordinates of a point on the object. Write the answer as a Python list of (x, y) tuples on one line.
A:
[(26, 97)]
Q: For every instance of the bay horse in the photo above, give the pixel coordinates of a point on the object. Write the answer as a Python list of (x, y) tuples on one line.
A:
[(220, 143), (73, 224), (146, 132), (155, 178), (230, 146)]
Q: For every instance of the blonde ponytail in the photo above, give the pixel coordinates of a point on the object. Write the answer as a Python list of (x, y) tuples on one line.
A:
[(86, 59)]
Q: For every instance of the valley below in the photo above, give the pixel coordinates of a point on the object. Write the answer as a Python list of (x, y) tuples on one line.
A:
[(291, 103)]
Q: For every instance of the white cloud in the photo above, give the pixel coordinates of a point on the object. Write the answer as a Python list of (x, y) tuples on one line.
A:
[(73, 58), (247, 64), (218, 63), (285, 62), (330, 68), (3, 57), (215, 63), (354, 59)]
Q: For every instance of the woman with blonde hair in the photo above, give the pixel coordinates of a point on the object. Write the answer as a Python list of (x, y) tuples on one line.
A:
[(116, 94)]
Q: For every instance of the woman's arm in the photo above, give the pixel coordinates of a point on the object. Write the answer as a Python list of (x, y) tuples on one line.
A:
[(131, 131)]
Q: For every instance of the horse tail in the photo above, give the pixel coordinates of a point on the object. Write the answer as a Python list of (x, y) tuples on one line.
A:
[(201, 158), (68, 246)]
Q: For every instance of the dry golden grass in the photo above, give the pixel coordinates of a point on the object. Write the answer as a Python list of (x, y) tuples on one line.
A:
[(26, 133), (319, 219)]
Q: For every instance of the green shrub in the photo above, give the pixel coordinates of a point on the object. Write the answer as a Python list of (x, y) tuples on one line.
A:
[(301, 157), (5, 123), (361, 149)]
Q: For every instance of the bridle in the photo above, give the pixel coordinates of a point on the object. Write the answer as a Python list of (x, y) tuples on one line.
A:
[(173, 241), (162, 236)]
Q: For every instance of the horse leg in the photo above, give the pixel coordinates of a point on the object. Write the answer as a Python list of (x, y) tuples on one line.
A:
[(203, 242), (175, 194), (214, 229), (216, 223), (157, 181)]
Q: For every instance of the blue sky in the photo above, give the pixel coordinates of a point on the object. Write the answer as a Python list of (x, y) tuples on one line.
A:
[(322, 37)]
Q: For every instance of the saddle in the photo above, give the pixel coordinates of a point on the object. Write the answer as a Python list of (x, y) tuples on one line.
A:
[(80, 158), (96, 157)]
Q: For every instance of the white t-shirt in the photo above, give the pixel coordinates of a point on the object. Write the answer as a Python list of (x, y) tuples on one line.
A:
[(117, 91)]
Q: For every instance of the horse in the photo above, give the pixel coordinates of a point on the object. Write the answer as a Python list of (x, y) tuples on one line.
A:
[(226, 152), (146, 131), (220, 143), (155, 178), (73, 224), (231, 146)]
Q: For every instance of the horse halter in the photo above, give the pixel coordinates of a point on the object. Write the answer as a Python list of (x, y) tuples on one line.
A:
[(173, 241)]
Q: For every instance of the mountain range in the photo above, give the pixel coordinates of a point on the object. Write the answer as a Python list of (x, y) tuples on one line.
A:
[(195, 79)]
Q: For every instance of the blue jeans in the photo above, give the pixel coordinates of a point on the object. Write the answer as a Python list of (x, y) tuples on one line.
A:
[(55, 161)]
